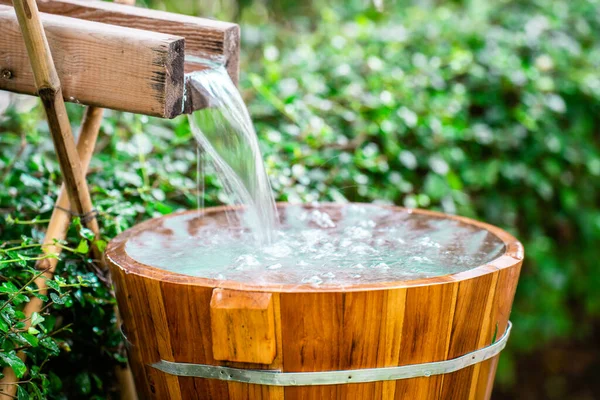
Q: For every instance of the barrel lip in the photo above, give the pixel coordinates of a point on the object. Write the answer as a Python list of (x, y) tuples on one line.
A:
[(117, 257)]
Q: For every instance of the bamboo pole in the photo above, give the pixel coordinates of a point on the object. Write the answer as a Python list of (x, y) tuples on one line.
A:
[(49, 90)]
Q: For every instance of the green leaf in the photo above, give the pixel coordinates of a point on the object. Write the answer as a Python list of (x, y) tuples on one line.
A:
[(40, 296), (86, 234), (163, 208), (36, 391), (53, 284), (51, 345), (20, 299), (8, 287), (101, 245), (4, 325), (32, 331), (22, 393), (494, 337), (83, 247), (57, 299), (36, 319), (84, 382), (31, 339), (14, 362)]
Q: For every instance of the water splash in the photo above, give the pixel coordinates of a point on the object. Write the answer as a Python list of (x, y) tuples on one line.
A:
[(314, 245), (225, 132)]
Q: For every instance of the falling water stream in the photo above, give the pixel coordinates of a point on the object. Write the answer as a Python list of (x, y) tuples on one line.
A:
[(225, 132), (317, 244)]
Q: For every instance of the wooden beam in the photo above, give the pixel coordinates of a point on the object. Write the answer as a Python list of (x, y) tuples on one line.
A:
[(204, 38), (98, 64)]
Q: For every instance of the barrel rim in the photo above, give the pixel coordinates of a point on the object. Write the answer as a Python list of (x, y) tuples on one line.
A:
[(116, 256)]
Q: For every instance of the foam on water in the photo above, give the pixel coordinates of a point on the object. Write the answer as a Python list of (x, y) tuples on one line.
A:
[(327, 244), (225, 132)]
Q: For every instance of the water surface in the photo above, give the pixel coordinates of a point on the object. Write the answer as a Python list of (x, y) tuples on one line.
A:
[(327, 244)]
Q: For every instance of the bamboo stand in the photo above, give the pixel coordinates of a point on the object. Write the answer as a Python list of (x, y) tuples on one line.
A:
[(74, 161), (154, 44)]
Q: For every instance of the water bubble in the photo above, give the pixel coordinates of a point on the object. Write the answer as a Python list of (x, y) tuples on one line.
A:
[(313, 280), (357, 232), (381, 265), (278, 250), (247, 260)]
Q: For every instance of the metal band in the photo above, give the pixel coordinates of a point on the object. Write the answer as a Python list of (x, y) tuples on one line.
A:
[(277, 378)]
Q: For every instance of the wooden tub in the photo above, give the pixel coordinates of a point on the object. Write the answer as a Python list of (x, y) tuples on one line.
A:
[(170, 317)]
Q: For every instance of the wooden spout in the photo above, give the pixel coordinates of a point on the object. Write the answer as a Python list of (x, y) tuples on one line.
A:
[(118, 66)]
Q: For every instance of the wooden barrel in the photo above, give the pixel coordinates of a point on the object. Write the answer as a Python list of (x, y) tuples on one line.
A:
[(171, 317)]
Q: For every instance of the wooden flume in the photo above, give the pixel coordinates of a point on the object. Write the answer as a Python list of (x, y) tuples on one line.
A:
[(117, 56), (204, 38), (179, 318), (115, 51)]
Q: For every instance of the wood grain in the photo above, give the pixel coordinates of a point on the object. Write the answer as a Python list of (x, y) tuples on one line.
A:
[(469, 321), (188, 317), (98, 64), (425, 338), (315, 329), (204, 38), (243, 326), (500, 312)]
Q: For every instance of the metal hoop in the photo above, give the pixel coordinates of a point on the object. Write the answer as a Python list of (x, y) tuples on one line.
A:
[(278, 378)]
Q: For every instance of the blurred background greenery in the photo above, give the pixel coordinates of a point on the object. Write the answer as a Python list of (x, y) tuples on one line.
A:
[(484, 109)]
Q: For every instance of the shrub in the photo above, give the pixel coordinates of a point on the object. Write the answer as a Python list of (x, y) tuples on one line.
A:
[(490, 117)]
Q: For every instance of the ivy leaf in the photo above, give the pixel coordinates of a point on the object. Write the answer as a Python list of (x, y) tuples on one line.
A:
[(83, 247), (101, 245), (14, 362), (86, 234)]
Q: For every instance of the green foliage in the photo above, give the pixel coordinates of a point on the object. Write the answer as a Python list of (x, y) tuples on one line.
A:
[(488, 111), (493, 117)]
